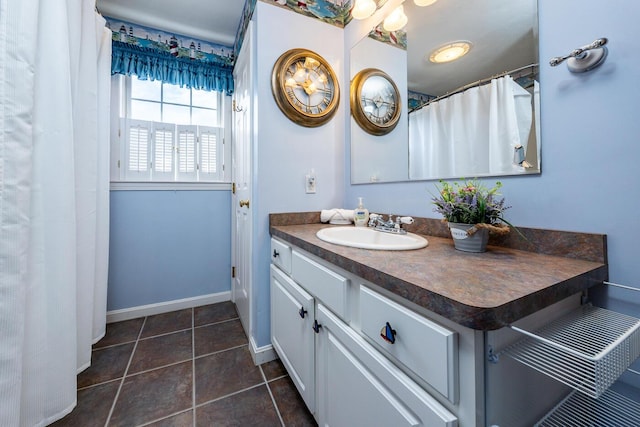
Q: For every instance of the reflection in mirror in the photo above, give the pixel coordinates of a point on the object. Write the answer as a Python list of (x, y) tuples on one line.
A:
[(380, 158), (453, 136), (481, 117)]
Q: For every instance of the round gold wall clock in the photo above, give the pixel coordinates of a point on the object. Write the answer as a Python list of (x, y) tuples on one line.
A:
[(305, 87), (375, 101)]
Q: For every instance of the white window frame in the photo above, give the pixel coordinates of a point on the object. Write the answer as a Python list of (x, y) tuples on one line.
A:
[(206, 167)]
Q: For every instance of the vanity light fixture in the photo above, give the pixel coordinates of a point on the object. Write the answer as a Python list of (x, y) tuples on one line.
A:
[(396, 19), (450, 52), (362, 9), (424, 2)]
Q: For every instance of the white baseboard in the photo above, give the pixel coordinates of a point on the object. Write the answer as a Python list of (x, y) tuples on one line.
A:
[(262, 354), (165, 307)]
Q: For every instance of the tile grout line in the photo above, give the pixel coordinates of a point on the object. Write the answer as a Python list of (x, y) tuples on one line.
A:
[(148, 423), (273, 400), (200, 356), (199, 405), (124, 375), (215, 323), (193, 367)]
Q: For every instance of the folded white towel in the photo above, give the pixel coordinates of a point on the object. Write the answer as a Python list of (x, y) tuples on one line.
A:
[(337, 216)]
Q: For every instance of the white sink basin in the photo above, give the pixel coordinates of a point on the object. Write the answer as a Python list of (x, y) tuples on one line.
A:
[(368, 238)]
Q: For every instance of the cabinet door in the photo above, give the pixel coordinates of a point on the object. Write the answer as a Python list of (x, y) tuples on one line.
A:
[(292, 336), (358, 386)]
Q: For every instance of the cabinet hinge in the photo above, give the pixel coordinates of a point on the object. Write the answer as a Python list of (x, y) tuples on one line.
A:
[(233, 272), (118, 164), (233, 188)]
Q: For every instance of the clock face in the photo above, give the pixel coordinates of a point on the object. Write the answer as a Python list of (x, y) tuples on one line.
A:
[(375, 101), (305, 87)]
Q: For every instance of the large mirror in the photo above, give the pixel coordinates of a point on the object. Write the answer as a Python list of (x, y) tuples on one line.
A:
[(483, 109)]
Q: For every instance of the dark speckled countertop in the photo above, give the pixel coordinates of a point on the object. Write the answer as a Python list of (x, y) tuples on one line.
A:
[(483, 291)]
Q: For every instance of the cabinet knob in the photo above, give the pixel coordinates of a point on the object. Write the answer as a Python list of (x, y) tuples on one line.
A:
[(388, 333), (302, 312), (316, 327), (244, 203), (276, 254)]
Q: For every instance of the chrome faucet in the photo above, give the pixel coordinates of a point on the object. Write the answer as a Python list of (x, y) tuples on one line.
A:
[(390, 225)]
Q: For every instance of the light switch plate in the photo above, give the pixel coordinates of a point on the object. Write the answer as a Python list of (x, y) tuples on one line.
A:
[(310, 183)]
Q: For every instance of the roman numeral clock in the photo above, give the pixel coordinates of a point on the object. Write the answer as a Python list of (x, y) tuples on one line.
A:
[(375, 101), (305, 87)]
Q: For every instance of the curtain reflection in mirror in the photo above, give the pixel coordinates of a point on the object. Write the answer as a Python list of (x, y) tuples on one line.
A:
[(475, 133)]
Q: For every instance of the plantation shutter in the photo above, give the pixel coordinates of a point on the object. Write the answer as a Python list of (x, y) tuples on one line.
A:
[(163, 151), (137, 149), (210, 153), (186, 153)]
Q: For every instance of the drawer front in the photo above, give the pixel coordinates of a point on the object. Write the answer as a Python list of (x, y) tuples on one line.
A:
[(426, 348), (357, 386), (281, 255), (326, 285)]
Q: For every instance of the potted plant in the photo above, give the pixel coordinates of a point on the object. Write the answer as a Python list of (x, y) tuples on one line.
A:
[(472, 211)]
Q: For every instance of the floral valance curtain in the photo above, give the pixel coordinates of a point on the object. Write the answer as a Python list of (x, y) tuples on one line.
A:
[(151, 64)]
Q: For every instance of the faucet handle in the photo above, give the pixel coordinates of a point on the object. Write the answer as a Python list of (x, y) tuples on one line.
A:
[(373, 219), (405, 220)]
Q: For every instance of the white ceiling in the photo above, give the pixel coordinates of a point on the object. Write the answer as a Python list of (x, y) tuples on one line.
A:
[(209, 20), (503, 34), (500, 31)]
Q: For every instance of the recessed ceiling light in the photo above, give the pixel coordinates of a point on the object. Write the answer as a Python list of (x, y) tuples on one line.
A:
[(450, 52), (424, 2)]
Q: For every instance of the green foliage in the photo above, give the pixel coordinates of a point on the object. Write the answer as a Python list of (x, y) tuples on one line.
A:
[(470, 202)]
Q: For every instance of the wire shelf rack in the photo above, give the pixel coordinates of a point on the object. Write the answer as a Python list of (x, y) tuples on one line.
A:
[(611, 409), (587, 349)]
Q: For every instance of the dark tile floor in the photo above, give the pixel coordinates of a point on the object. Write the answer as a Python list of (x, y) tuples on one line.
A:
[(187, 368)]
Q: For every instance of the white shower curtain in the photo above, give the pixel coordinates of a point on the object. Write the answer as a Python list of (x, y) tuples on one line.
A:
[(54, 202), (472, 133)]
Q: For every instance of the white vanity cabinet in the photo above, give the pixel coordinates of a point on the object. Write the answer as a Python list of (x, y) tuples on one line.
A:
[(342, 374), (292, 336), (358, 386)]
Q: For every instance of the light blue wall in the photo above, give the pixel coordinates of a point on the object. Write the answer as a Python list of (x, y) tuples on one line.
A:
[(168, 245), (590, 143), (283, 151)]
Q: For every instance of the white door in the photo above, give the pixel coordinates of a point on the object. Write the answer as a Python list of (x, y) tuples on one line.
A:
[(241, 176)]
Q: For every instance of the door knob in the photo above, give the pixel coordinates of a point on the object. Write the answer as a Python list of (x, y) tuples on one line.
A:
[(244, 203)]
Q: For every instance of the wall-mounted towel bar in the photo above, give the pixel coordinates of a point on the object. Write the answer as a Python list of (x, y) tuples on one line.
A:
[(584, 58)]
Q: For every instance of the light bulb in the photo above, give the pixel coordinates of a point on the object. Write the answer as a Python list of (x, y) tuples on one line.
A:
[(396, 19), (424, 2), (363, 9)]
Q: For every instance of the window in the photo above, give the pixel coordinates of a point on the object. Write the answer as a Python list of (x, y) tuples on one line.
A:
[(168, 133)]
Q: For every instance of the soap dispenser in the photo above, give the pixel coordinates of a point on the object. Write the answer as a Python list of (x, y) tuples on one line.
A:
[(361, 214)]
